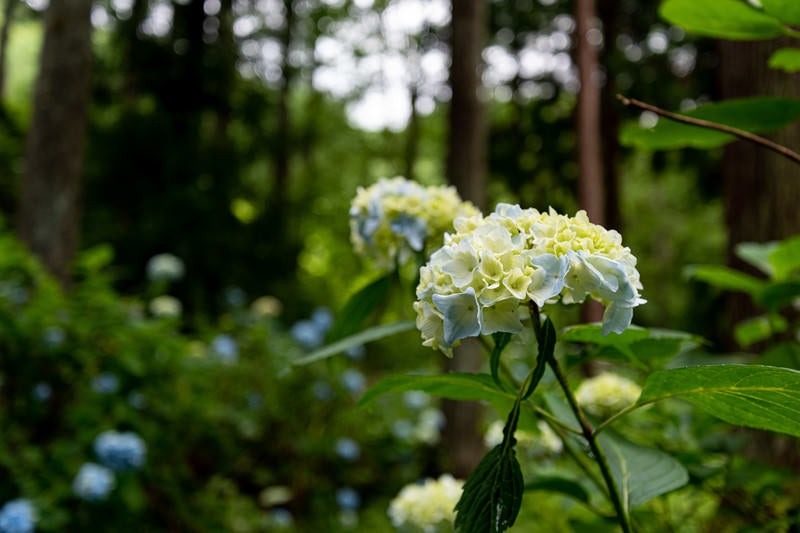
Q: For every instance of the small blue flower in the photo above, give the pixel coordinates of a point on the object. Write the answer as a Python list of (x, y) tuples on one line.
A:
[(54, 336), (120, 451), (105, 383), (93, 482), (356, 352), (323, 318), (281, 517), (416, 399), (348, 449), (42, 391), (308, 334), (353, 381), (348, 499), (322, 390), (235, 297), (17, 516), (403, 429), (225, 348)]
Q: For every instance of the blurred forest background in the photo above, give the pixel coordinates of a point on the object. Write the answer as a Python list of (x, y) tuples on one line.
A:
[(233, 134)]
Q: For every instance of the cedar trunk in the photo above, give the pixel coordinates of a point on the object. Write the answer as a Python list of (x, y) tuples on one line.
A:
[(48, 216), (466, 169)]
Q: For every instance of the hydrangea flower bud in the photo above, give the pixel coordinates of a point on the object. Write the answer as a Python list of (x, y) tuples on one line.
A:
[(428, 506), (607, 393)]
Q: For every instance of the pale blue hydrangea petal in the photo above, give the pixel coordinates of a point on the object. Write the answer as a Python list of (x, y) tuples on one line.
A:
[(412, 228), (616, 318), (460, 263), (555, 272), (461, 313), (368, 224), (503, 316), (508, 210)]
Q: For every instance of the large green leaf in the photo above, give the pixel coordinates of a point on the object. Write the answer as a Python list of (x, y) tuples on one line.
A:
[(785, 258), (368, 335), (725, 19), (787, 11), (755, 115), (640, 473), (785, 59), (777, 295), (726, 278), (356, 311), (640, 346), (757, 254), (757, 396), (454, 386)]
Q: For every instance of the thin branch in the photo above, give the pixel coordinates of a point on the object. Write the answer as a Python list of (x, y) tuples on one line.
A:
[(744, 135)]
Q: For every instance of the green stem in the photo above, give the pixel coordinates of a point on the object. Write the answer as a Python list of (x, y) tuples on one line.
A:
[(591, 437), (613, 418)]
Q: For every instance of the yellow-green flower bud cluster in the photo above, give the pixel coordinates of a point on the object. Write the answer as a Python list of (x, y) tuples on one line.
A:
[(607, 393), (396, 217), (480, 280), (427, 507)]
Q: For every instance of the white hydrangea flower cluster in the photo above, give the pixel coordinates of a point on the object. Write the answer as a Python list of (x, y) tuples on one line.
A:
[(396, 217), (428, 507), (481, 279), (607, 393), (534, 444)]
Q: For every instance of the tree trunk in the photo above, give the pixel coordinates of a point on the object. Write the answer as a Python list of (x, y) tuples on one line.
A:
[(48, 216), (590, 162), (609, 120), (8, 17), (761, 189), (412, 134), (466, 169)]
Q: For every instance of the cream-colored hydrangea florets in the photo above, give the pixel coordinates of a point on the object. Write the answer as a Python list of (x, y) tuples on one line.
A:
[(428, 507), (396, 217), (534, 444), (607, 393), (480, 281)]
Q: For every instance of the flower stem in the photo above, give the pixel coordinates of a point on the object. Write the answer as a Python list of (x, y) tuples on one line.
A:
[(591, 437)]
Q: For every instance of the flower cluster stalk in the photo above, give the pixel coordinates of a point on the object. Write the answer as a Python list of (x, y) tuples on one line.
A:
[(586, 428)]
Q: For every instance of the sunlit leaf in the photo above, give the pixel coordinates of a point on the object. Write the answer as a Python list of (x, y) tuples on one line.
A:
[(757, 254), (725, 19), (368, 335), (757, 396), (786, 59), (453, 386), (726, 278), (787, 11), (758, 329), (356, 311), (785, 258), (641, 473), (755, 115)]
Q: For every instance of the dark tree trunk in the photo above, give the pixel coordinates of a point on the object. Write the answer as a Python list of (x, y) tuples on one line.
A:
[(282, 141), (761, 189), (609, 120), (412, 135), (590, 162), (49, 210), (466, 169)]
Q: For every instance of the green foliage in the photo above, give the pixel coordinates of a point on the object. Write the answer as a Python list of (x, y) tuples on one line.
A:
[(641, 473), (453, 386), (756, 115), (725, 19), (787, 11), (756, 396), (368, 335), (786, 59), (360, 307)]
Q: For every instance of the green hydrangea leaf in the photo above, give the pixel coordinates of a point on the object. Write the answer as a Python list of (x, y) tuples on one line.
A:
[(787, 11), (785, 59), (359, 307), (453, 386), (724, 19), (363, 337)]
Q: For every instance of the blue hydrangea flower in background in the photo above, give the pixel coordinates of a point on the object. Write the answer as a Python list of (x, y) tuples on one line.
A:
[(120, 451), (224, 347), (105, 383), (348, 499), (54, 336), (281, 517), (348, 449), (416, 399), (42, 391), (93, 482), (13, 292), (323, 318), (17, 516), (356, 352), (255, 401), (136, 400), (322, 390), (308, 334), (412, 228), (235, 297), (353, 381)]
